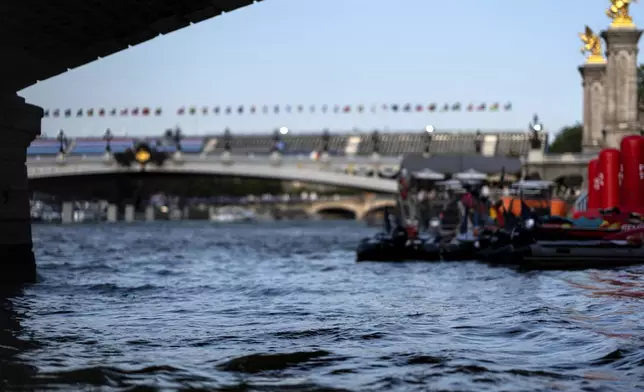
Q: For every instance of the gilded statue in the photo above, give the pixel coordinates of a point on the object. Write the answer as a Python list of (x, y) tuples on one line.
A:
[(619, 13), (592, 45)]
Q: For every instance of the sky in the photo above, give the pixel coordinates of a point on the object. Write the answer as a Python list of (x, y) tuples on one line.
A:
[(345, 52)]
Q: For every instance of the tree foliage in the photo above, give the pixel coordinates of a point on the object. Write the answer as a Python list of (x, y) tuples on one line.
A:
[(568, 140)]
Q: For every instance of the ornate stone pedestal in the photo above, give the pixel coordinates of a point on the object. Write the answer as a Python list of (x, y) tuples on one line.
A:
[(594, 83), (621, 83), (19, 125)]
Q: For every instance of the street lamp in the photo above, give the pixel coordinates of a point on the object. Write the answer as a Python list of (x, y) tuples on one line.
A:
[(326, 138), (227, 139), (429, 130), (277, 138), (478, 142), (375, 140), (108, 140), (283, 130), (61, 141), (178, 135), (535, 127)]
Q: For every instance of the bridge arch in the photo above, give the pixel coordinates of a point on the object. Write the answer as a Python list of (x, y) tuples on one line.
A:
[(376, 206), (339, 206)]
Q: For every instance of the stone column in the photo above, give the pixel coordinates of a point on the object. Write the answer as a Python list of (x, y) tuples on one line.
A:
[(150, 213), (594, 104), (129, 213), (112, 213), (67, 213), (621, 116), (19, 126)]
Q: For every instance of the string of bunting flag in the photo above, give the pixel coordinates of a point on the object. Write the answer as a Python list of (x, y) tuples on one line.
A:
[(277, 109)]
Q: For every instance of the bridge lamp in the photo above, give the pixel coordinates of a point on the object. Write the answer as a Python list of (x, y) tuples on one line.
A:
[(283, 130), (108, 140), (429, 129)]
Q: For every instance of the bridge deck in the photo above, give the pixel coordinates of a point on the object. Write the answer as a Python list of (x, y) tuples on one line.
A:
[(390, 144)]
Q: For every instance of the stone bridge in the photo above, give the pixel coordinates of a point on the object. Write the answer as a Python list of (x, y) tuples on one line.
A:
[(359, 208)]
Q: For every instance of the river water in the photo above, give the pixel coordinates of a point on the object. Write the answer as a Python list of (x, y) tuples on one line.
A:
[(284, 307)]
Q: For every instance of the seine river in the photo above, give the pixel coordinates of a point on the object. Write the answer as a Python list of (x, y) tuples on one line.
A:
[(189, 306)]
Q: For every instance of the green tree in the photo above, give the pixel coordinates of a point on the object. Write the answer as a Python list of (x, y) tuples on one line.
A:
[(568, 140)]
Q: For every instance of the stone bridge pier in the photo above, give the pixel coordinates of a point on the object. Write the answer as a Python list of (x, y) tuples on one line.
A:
[(19, 124)]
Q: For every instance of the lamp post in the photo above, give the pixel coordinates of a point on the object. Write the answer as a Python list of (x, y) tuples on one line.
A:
[(429, 130), (478, 142), (326, 138), (375, 140), (108, 140), (178, 136), (227, 139), (61, 141), (276, 140), (535, 127)]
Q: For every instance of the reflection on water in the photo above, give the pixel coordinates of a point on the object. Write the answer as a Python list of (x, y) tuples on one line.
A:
[(283, 307)]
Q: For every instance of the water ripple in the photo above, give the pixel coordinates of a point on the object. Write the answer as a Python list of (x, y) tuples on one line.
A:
[(283, 307)]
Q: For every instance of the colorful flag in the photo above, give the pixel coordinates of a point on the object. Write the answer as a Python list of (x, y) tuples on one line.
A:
[(193, 110), (240, 109), (181, 111), (229, 110), (101, 112), (265, 109), (158, 111), (360, 108), (347, 109), (253, 109), (384, 107), (312, 108), (456, 107), (325, 108), (135, 112), (508, 107), (407, 107), (124, 112), (300, 108), (394, 107), (90, 112), (336, 109), (445, 108), (481, 107), (45, 113), (374, 108), (216, 110), (419, 108), (495, 107), (68, 112), (431, 107), (56, 113), (276, 109), (145, 111), (288, 108), (205, 110), (112, 112), (470, 107)]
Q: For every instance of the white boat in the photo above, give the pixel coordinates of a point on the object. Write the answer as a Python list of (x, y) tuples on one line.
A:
[(232, 214)]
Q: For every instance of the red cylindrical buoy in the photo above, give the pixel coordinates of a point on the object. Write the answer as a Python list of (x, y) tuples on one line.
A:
[(609, 168), (633, 165), (594, 194)]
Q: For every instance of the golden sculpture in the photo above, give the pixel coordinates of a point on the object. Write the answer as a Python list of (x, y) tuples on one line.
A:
[(619, 13), (592, 45)]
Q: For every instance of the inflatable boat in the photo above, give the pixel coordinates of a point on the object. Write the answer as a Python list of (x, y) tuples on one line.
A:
[(385, 247)]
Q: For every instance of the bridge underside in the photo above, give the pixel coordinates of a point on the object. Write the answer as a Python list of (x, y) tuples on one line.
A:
[(42, 39)]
